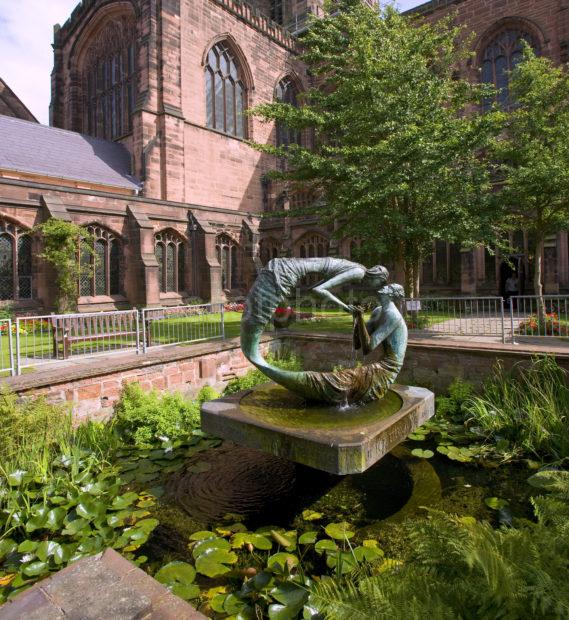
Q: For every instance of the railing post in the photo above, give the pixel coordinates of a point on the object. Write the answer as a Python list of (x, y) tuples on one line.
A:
[(137, 332), (18, 360), (222, 321), (11, 349), (144, 343), (503, 324), (512, 320)]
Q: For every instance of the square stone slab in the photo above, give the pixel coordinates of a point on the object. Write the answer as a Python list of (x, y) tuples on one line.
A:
[(349, 441)]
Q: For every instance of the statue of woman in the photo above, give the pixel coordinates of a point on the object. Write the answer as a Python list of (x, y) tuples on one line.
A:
[(363, 383), (278, 281)]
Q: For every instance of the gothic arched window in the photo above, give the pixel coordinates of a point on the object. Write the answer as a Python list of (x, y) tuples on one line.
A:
[(170, 251), (15, 262), (105, 259), (287, 92), (109, 84), (499, 58), (225, 91), (269, 250), (228, 255), (313, 246)]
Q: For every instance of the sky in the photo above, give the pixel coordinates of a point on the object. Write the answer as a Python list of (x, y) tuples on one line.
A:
[(26, 58)]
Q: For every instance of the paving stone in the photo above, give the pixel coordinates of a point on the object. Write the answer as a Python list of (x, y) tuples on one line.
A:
[(30, 605)]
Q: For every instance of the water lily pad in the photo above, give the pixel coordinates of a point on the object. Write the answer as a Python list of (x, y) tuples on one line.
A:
[(215, 562), (311, 515), (340, 531), (341, 561), (49, 548), (28, 546), (495, 503), (422, 454), (290, 595), (282, 560), (176, 572), (202, 535), (308, 538), (209, 544), (90, 509), (34, 569), (7, 546), (55, 518), (325, 545), (124, 501), (368, 554), (257, 540)]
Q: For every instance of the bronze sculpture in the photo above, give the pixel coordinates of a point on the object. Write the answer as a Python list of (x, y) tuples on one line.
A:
[(361, 384)]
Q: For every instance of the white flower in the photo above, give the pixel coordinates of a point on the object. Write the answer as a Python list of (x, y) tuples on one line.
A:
[(168, 449), (163, 438), (27, 558)]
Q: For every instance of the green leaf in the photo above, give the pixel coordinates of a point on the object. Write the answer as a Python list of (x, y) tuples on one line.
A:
[(340, 531), (282, 561), (212, 543), (310, 515), (124, 501), (422, 454), (47, 549), (16, 478), (28, 546), (90, 509), (186, 592), (257, 540), (341, 561), (7, 546), (213, 563), (176, 572), (496, 503), (282, 612), (75, 527), (202, 535), (368, 554), (325, 545), (34, 569), (290, 595), (281, 539), (55, 518), (308, 538)]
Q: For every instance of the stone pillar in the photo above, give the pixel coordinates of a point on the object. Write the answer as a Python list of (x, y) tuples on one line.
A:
[(468, 272), (550, 279), (141, 276), (211, 283)]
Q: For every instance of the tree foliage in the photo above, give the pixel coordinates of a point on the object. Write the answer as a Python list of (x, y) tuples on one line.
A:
[(61, 243), (533, 155), (395, 157)]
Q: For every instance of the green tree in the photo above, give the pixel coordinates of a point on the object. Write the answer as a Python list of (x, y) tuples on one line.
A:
[(395, 159), (61, 243), (533, 156)]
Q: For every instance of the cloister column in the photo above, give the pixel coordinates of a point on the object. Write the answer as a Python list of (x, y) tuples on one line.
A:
[(141, 274), (467, 272)]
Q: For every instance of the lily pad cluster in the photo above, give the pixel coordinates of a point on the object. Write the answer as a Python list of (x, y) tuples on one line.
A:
[(79, 510), (237, 573)]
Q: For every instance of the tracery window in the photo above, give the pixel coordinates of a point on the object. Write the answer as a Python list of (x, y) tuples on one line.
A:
[(15, 262), (500, 57), (313, 246), (170, 251), (228, 255), (225, 91), (287, 92), (269, 250), (105, 259), (109, 82)]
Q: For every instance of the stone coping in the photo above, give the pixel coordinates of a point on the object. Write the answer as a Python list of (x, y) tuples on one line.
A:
[(339, 450), (84, 368), (522, 349), (103, 586)]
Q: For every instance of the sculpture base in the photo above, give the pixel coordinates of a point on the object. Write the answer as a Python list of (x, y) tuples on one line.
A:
[(338, 440)]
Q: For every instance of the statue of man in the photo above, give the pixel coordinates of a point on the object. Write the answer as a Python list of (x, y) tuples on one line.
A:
[(278, 281)]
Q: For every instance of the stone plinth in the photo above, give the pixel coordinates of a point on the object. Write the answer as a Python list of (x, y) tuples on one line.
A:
[(335, 440)]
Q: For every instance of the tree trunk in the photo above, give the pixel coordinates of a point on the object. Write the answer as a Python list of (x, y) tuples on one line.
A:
[(417, 275), (538, 279), (409, 276)]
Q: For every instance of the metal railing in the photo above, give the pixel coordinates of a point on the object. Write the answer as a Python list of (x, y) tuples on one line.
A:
[(456, 316), (182, 324), (49, 338), (7, 329), (527, 321)]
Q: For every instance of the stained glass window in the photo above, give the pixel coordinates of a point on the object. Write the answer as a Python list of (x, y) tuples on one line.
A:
[(225, 92), (313, 246), (105, 262), (500, 57), (15, 262), (269, 250), (228, 253), (170, 254), (109, 82)]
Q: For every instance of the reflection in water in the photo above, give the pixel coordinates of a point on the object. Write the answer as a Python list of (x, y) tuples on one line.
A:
[(265, 489)]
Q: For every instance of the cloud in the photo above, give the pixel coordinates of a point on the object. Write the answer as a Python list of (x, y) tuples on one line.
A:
[(26, 35)]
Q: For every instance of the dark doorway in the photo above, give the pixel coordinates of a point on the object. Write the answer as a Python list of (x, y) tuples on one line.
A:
[(515, 263)]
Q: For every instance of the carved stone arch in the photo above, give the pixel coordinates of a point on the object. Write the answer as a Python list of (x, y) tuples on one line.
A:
[(16, 221), (169, 229), (312, 244), (293, 76), (109, 229), (171, 252), (236, 49), (94, 24), (513, 22), (106, 259)]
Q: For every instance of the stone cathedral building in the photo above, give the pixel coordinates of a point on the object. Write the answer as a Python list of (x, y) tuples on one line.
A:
[(147, 149)]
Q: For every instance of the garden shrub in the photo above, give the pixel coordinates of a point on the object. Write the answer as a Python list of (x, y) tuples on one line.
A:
[(31, 428), (528, 407), (459, 392), (254, 377), (142, 417)]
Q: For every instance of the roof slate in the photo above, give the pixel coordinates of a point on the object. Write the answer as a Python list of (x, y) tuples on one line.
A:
[(38, 149)]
